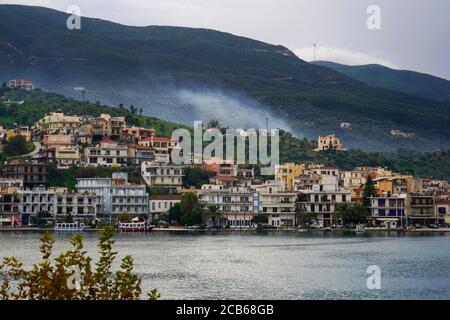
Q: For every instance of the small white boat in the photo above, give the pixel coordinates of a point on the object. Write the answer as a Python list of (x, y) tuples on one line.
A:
[(328, 229), (143, 226), (360, 228), (70, 227)]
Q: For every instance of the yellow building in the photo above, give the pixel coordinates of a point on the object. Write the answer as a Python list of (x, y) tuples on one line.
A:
[(53, 140), (20, 131), (286, 173), (396, 185), (67, 156), (108, 127), (330, 142), (58, 120)]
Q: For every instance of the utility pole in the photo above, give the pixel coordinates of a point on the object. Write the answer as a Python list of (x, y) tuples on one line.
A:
[(83, 92), (267, 126), (315, 46)]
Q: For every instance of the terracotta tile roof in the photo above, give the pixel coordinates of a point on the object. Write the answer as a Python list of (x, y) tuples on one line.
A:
[(159, 139), (172, 197)]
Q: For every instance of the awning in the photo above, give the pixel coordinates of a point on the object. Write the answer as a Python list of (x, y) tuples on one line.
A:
[(387, 219)]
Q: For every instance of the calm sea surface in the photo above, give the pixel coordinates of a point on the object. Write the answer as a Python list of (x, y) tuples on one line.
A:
[(272, 265)]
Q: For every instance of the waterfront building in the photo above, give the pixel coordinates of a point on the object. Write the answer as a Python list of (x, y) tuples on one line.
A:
[(238, 205), (106, 153), (277, 203), (320, 195), (117, 195), (330, 142), (443, 211), (286, 172), (162, 175), (420, 208), (161, 204), (10, 202), (388, 210), (58, 203)]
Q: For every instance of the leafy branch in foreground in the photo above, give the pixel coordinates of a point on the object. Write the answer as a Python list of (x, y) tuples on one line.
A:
[(70, 276)]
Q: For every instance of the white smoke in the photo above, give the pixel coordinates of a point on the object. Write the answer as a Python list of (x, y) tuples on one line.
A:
[(229, 109)]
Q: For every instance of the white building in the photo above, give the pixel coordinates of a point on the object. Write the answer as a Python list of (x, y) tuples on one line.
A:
[(58, 202), (107, 153), (162, 175), (160, 204), (320, 194), (117, 195), (240, 204), (237, 205), (277, 203)]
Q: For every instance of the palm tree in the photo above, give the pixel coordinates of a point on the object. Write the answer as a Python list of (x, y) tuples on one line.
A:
[(212, 213), (341, 211)]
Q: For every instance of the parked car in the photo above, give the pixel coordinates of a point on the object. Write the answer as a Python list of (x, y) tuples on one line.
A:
[(417, 226), (433, 226), (195, 227)]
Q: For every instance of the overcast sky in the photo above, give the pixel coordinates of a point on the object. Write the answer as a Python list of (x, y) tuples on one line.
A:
[(414, 35)]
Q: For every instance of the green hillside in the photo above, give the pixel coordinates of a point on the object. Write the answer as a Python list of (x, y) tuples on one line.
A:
[(421, 84), (37, 103), (147, 66), (292, 149)]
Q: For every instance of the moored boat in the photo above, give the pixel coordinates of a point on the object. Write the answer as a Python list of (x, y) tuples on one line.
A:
[(69, 227), (142, 226)]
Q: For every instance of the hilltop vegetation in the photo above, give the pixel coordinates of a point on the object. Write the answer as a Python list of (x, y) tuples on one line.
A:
[(37, 103), (411, 82)]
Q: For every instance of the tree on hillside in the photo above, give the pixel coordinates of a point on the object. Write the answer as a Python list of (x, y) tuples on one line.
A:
[(369, 191), (195, 177), (16, 146), (188, 202), (214, 123)]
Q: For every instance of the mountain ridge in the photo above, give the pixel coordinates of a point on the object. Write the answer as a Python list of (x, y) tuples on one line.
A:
[(407, 81), (185, 74)]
